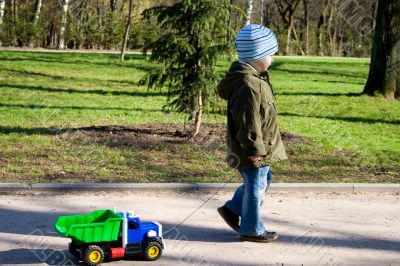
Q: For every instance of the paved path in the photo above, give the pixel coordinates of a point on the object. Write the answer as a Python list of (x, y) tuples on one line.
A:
[(314, 228)]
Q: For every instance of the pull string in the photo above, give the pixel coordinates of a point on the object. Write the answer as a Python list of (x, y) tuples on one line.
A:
[(196, 210)]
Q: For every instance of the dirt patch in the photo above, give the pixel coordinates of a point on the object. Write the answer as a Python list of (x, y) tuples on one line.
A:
[(153, 134)]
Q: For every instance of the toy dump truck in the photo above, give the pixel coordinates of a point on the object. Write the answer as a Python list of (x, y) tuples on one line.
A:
[(105, 234)]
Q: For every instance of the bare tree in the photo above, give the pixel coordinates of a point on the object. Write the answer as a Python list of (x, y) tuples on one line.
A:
[(63, 20), (249, 11), (127, 28), (286, 9), (2, 5), (262, 5), (321, 27), (36, 16), (306, 27), (333, 17), (37, 11), (113, 5), (384, 73)]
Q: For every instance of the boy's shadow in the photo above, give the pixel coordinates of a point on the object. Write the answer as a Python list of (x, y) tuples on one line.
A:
[(37, 256), (195, 233)]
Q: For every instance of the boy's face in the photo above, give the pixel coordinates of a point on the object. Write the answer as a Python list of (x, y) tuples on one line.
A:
[(263, 64), (267, 61)]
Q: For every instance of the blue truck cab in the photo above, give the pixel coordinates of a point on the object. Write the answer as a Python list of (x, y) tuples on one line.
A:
[(141, 237), (139, 231)]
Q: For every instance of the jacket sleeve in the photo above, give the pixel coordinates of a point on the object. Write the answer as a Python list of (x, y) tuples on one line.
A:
[(246, 115)]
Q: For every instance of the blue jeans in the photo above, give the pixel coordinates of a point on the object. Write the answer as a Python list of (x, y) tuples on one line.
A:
[(248, 199)]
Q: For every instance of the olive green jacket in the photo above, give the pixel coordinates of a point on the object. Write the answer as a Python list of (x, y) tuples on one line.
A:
[(252, 118)]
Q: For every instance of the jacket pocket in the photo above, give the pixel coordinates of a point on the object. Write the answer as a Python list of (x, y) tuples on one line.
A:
[(262, 112)]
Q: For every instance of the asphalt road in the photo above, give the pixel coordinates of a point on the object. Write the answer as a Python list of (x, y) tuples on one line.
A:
[(314, 228)]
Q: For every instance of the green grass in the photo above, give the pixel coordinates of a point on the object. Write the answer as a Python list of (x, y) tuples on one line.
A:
[(348, 137)]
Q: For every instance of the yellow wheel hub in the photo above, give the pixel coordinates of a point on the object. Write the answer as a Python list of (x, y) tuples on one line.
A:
[(153, 251), (95, 256)]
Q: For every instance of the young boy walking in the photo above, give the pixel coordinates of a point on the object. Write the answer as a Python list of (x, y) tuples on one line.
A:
[(253, 138)]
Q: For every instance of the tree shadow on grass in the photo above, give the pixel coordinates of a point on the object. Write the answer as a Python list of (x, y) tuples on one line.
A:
[(40, 106), (114, 61), (346, 119), (66, 78), (320, 72), (29, 131), (349, 94), (95, 129), (97, 91)]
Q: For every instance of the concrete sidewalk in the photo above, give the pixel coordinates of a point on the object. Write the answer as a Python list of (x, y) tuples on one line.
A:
[(315, 228), (10, 188)]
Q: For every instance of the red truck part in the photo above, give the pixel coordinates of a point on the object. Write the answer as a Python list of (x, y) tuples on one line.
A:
[(117, 253)]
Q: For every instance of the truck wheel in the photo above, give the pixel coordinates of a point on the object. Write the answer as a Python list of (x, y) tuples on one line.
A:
[(93, 255), (153, 251)]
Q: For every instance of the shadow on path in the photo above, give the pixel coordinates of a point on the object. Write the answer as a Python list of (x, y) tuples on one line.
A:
[(194, 233), (29, 256)]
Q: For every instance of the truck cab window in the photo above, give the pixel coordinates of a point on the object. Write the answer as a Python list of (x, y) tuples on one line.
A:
[(132, 225)]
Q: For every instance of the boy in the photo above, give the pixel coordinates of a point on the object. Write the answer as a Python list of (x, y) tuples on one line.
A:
[(253, 137)]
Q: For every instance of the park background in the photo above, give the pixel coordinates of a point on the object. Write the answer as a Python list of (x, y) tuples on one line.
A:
[(81, 114)]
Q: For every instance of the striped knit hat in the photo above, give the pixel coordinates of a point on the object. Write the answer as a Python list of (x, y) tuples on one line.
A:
[(255, 42)]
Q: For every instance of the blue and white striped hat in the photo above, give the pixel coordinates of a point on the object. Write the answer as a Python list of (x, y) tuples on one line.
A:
[(254, 42)]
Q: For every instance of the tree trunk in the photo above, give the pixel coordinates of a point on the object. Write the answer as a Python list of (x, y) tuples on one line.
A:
[(127, 28), (37, 11), (298, 43), (287, 14), (198, 114), (229, 22), (249, 10), (289, 34), (2, 5), (384, 73), (329, 27), (113, 5), (14, 11), (306, 26), (332, 26), (262, 2), (14, 16), (36, 16), (335, 37), (341, 34), (64, 13), (320, 30)]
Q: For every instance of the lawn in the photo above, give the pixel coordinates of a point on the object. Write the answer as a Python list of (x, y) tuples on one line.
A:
[(84, 118)]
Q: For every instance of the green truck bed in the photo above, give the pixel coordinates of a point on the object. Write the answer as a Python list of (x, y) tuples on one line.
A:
[(99, 226)]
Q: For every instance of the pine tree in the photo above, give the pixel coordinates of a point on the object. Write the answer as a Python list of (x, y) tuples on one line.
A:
[(193, 36)]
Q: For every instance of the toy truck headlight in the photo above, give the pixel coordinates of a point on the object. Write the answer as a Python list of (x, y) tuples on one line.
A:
[(151, 233)]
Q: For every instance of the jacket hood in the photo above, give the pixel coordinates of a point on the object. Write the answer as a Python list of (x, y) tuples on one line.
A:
[(232, 79)]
